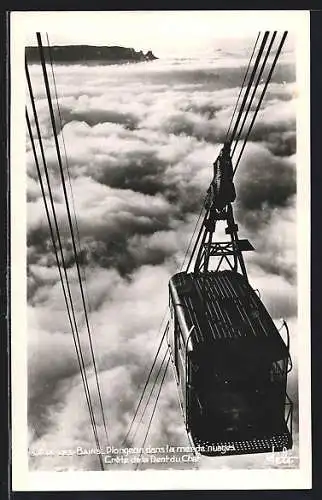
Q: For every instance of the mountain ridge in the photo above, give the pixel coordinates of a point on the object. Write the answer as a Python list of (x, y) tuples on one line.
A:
[(87, 53)]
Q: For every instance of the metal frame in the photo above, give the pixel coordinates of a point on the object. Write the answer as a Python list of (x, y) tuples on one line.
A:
[(230, 251)]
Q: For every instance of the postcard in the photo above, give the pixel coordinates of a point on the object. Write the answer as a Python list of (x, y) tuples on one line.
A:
[(160, 242)]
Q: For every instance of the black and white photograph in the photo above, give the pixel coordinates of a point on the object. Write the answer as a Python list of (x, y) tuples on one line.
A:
[(160, 249)]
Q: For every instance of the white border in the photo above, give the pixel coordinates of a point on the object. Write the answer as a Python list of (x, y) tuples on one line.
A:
[(22, 479)]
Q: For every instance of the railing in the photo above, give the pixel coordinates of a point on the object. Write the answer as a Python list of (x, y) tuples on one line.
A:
[(289, 363)]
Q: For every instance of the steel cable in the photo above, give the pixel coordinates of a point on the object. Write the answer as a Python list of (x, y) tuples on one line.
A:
[(262, 96), (150, 395), (242, 85), (75, 332), (154, 407), (254, 91), (249, 85), (146, 384), (46, 81)]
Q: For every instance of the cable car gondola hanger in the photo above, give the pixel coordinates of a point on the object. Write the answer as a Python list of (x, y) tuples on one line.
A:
[(229, 359)]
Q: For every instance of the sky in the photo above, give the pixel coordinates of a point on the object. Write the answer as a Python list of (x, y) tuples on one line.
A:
[(140, 142), (164, 32)]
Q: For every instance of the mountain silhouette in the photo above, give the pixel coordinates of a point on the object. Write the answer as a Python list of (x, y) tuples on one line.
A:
[(89, 53)]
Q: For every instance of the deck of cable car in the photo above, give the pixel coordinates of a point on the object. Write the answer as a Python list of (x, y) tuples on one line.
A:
[(239, 443)]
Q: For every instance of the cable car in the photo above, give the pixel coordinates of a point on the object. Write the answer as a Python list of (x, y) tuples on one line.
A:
[(231, 363)]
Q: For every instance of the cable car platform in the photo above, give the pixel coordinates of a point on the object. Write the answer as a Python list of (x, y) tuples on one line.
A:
[(265, 444)]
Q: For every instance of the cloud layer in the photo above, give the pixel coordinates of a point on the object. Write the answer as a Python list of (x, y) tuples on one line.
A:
[(140, 143)]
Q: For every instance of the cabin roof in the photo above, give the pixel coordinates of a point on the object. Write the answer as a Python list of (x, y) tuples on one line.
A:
[(223, 306)]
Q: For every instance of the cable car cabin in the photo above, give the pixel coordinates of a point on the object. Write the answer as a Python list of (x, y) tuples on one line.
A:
[(231, 365)]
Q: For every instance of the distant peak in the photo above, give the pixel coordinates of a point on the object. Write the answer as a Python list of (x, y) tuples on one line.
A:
[(88, 53)]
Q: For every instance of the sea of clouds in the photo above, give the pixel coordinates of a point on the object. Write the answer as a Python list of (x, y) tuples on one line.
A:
[(140, 141)]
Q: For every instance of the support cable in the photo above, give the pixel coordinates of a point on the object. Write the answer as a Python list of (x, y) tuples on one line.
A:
[(262, 96), (74, 211), (67, 163), (146, 383), (74, 332), (154, 408), (192, 237), (202, 229), (249, 85), (254, 91), (242, 85), (52, 204), (43, 64), (150, 395)]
